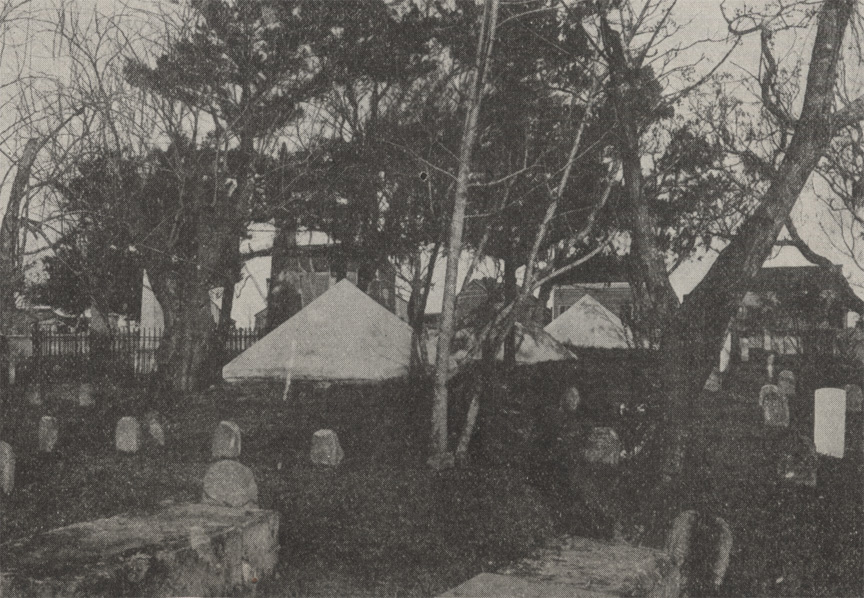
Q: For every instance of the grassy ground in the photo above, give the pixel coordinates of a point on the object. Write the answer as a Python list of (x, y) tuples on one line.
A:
[(383, 525)]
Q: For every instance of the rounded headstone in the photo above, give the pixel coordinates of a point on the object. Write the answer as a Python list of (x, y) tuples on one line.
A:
[(678, 541), (745, 350), (85, 395), (603, 446), (226, 441), (769, 366), (127, 435), (854, 398), (765, 391), (231, 484), (7, 468), (572, 399), (325, 449), (775, 406), (48, 431)]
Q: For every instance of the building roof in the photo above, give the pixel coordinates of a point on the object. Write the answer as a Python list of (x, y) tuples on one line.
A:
[(589, 324), (616, 297), (807, 278), (343, 335)]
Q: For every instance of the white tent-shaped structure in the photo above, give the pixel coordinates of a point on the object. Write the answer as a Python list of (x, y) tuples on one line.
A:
[(589, 324), (533, 345), (343, 335)]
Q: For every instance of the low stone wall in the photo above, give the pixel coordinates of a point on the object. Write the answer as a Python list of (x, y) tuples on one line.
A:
[(573, 566), (180, 550)]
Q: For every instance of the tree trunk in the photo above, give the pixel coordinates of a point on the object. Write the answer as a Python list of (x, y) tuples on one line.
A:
[(10, 270), (511, 293), (441, 456), (187, 343)]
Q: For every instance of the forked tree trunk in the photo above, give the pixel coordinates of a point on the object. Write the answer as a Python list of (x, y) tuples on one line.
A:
[(283, 298)]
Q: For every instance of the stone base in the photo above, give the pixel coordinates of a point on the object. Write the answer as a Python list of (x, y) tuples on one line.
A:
[(584, 568), (181, 550)]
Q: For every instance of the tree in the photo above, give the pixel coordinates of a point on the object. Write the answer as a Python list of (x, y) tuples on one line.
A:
[(693, 331)]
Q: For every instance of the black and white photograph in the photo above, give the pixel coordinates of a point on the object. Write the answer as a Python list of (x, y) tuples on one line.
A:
[(431, 298)]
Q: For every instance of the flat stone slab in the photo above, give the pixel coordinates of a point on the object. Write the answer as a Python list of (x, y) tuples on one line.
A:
[(181, 550), (574, 566)]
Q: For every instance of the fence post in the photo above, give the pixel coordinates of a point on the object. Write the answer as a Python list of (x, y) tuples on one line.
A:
[(5, 382), (38, 368)]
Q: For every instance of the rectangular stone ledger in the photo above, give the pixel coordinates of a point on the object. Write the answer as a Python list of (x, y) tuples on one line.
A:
[(582, 567), (182, 550)]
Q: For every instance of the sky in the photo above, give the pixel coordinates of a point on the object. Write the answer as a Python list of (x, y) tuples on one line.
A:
[(30, 46)]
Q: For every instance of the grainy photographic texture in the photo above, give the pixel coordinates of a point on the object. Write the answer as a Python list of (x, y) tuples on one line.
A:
[(431, 298)]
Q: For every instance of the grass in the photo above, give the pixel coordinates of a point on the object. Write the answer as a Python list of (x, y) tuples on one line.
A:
[(382, 524)]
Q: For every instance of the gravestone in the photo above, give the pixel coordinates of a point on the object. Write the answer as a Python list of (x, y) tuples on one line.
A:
[(726, 353), (775, 406), (85, 395), (786, 383), (231, 484), (127, 435), (572, 399), (798, 462), (47, 433), (744, 344), (11, 373), (769, 366), (603, 446), (154, 428), (829, 421), (678, 540), (326, 449), (7, 468), (854, 398), (226, 441), (714, 382), (765, 390)]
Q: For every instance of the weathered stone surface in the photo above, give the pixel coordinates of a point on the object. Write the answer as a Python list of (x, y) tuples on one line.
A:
[(231, 484), (798, 462), (603, 446), (605, 568), (326, 449), (769, 366), (854, 398), (678, 540), (127, 435), (85, 395), (226, 441), (155, 429), (744, 344), (48, 432), (181, 550), (572, 398), (786, 383), (715, 381), (829, 421), (7, 468), (775, 407)]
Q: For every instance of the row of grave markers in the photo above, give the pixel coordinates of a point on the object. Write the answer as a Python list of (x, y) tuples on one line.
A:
[(829, 411)]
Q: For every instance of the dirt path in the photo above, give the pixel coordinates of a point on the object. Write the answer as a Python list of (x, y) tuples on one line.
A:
[(790, 540)]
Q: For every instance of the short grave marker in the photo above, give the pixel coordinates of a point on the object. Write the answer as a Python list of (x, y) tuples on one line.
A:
[(7, 468), (231, 484), (745, 350), (572, 398), (798, 462), (854, 398), (154, 428), (769, 366), (127, 435), (33, 395), (603, 446), (775, 406), (326, 449), (786, 383), (85, 395), (829, 421), (47, 433), (715, 381), (226, 441)]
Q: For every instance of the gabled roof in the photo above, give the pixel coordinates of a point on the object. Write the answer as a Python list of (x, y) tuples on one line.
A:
[(588, 324), (342, 335)]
